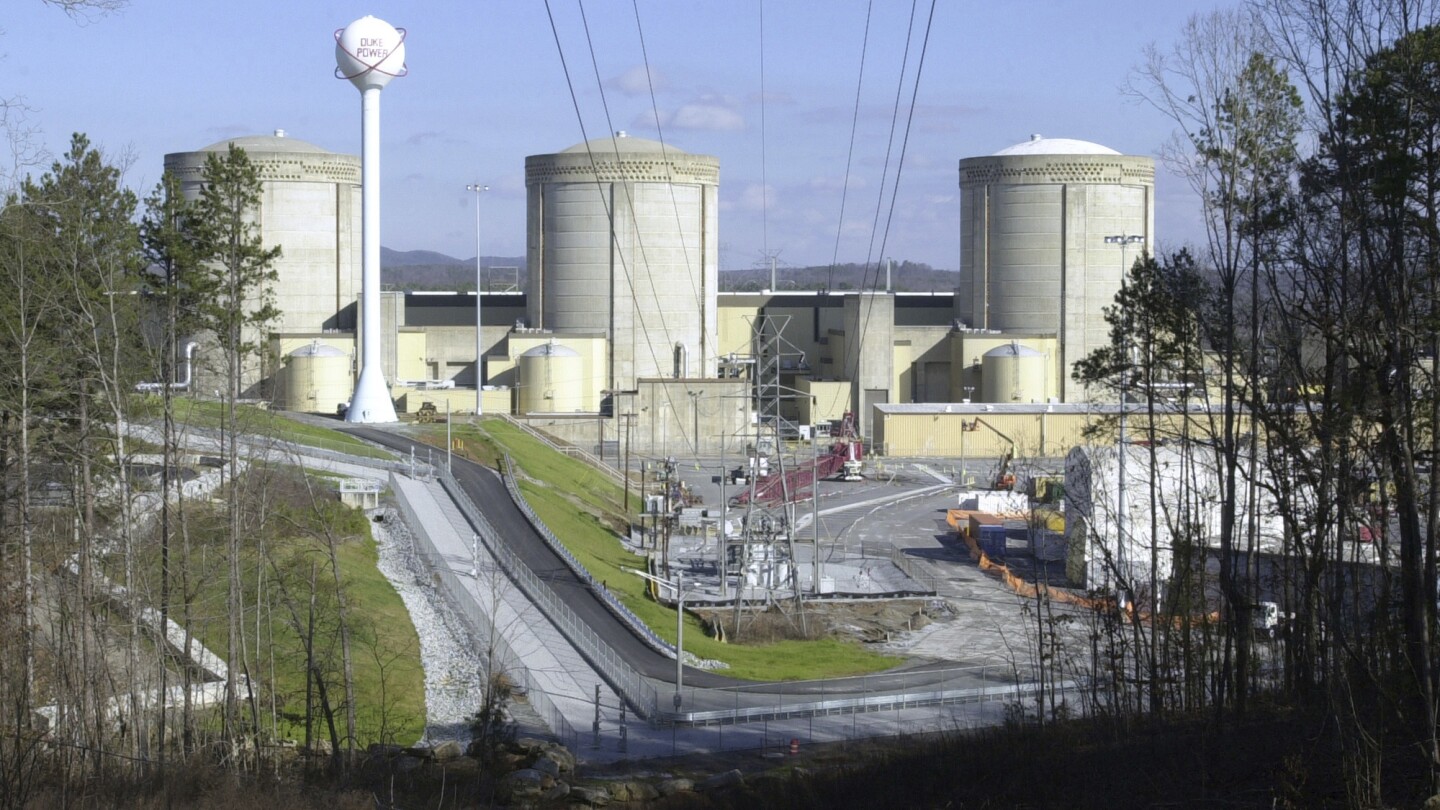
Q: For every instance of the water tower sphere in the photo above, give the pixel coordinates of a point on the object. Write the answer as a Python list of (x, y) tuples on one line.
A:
[(369, 52)]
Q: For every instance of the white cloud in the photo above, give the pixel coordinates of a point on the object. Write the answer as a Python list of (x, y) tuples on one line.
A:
[(710, 112), (633, 82), (706, 117), (754, 196), (835, 182)]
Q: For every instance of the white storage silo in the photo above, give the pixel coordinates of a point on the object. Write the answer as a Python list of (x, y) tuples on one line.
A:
[(316, 378), (1012, 373), (551, 380), (1034, 219), (622, 241)]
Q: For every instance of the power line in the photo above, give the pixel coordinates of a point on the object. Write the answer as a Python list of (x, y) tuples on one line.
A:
[(862, 325), (764, 183), (850, 153), (610, 214)]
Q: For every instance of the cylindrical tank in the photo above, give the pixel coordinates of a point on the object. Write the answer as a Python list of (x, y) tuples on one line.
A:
[(551, 380), (316, 378), (622, 240), (1034, 219), (1012, 373)]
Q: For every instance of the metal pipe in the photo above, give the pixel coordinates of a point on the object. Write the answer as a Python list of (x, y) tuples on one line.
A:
[(180, 385)]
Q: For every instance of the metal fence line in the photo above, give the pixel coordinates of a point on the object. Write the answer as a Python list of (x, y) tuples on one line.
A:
[(638, 691), (633, 687), (503, 656), (567, 449), (614, 604)]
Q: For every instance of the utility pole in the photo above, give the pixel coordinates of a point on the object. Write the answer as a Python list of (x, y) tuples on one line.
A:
[(721, 562), (629, 423), (964, 473), (670, 506)]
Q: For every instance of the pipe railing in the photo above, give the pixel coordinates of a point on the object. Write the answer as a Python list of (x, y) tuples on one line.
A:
[(609, 599), (860, 695), (567, 449), (501, 658), (629, 684)]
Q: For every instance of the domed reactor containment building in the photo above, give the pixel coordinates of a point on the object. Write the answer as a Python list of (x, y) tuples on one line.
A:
[(310, 204), (622, 244), (310, 207), (622, 336), (1034, 259)]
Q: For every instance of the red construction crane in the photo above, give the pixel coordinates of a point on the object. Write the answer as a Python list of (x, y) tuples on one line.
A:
[(843, 458)]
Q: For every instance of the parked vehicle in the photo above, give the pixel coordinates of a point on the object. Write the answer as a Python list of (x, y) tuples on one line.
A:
[(1270, 622)]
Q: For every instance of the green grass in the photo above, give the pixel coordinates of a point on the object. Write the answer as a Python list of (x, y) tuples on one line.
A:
[(260, 422), (385, 651), (579, 505)]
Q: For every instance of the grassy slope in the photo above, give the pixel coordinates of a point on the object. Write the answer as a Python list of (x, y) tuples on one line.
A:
[(562, 485), (203, 414), (385, 651)]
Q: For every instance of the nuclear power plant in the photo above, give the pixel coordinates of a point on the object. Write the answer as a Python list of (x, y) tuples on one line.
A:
[(622, 328), (1034, 260)]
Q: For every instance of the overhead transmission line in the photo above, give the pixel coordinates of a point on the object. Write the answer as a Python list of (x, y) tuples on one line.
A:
[(866, 280), (850, 152), (625, 265)]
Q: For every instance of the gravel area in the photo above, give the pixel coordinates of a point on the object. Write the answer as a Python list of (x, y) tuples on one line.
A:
[(452, 668)]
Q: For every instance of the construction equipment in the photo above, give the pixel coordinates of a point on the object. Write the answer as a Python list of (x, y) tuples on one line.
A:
[(844, 459), (427, 413), (1003, 478)]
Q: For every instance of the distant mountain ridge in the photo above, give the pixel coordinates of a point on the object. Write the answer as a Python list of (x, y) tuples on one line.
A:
[(430, 270), (412, 258)]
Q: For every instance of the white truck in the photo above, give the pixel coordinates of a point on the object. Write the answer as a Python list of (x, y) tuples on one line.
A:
[(1271, 622)]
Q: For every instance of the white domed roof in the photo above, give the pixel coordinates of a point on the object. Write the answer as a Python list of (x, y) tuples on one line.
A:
[(551, 350), (1014, 350), (318, 349), (254, 144), (623, 144), (1038, 145)]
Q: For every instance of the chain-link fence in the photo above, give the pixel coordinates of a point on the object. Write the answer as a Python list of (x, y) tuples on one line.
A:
[(480, 624)]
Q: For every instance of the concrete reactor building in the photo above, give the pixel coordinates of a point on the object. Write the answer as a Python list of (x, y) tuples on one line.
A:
[(621, 333), (1034, 260), (310, 208), (621, 242)]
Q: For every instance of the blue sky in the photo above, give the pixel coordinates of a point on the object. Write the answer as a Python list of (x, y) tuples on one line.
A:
[(486, 89)]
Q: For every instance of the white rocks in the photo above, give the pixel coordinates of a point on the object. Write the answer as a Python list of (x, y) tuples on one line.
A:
[(453, 679)]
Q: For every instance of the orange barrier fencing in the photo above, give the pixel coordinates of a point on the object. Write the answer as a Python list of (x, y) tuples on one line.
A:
[(959, 520)]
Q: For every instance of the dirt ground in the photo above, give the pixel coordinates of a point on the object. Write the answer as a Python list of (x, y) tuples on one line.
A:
[(870, 621)]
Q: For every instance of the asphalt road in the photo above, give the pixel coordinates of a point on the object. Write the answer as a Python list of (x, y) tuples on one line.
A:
[(487, 491)]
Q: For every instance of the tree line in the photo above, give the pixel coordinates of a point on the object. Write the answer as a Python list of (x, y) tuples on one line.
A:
[(1299, 342), (108, 569)]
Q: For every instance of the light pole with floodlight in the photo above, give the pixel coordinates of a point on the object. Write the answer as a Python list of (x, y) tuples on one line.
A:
[(678, 585), (478, 189), (1124, 241)]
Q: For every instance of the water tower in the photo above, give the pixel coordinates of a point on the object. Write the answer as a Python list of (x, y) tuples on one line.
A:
[(369, 53)]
